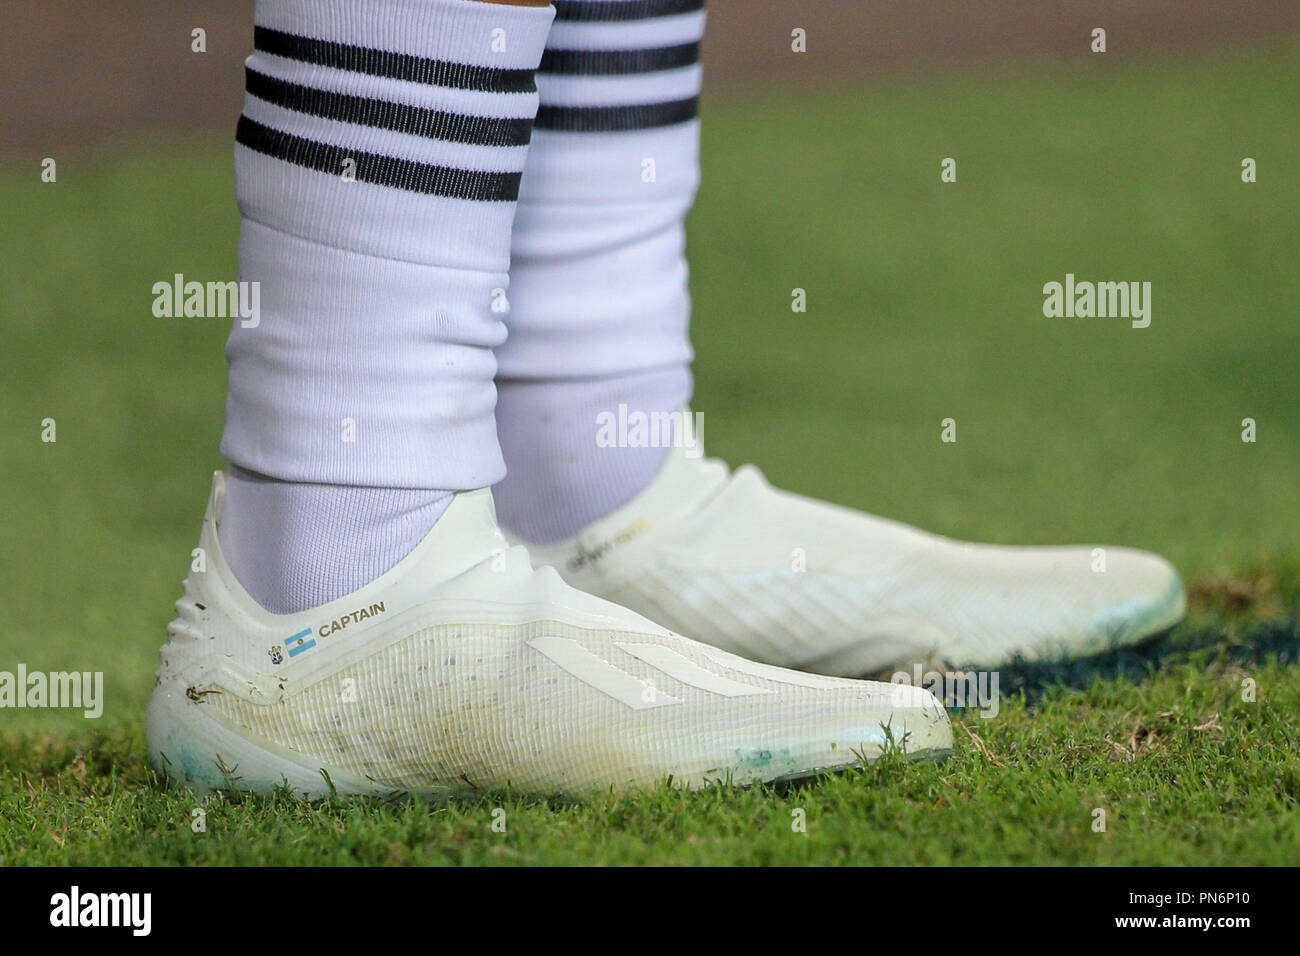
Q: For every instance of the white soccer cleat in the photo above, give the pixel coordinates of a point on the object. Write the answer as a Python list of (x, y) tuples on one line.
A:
[(795, 582), (464, 669)]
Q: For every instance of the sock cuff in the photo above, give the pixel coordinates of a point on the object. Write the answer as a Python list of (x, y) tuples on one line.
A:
[(421, 41), (598, 276), (619, 88), (398, 127), (362, 370), (621, 65), (377, 165)]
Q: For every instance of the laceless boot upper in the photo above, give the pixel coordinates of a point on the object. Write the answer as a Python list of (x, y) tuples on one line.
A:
[(796, 582)]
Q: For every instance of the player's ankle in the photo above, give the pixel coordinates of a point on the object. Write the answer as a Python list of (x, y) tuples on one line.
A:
[(294, 546), (568, 461)]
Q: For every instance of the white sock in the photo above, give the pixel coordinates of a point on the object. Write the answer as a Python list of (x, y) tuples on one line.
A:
[(377, 165), (599, 303), (572, 480), (300, 545)]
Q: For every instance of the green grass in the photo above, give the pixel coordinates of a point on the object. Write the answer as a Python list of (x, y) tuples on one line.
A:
[(924, 303)]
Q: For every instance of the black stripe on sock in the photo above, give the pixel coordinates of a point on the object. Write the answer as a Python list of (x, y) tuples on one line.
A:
[(381, 114), (381, 170), (592, 11), (618, 62), (616, 119), (395, 66)]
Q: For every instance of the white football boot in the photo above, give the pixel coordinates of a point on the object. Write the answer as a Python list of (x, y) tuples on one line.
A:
[(464, 669), (795, 582)]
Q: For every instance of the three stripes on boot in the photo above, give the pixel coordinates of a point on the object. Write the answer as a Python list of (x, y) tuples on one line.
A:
[(609, 66)]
